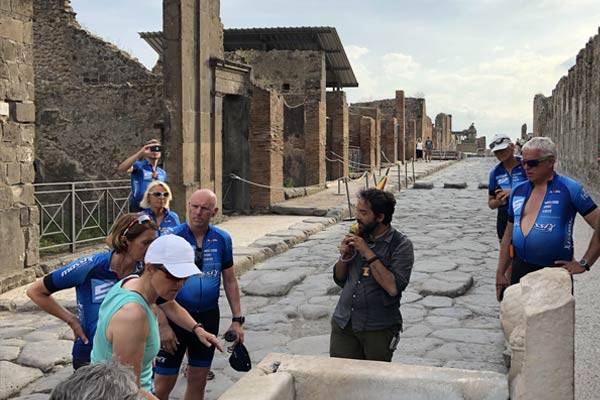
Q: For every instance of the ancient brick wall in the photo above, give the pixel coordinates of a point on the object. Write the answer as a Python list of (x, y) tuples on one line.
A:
[(266, 147), (19, 230), (368, 134), (95, 105), (571, 116), (400, 114)]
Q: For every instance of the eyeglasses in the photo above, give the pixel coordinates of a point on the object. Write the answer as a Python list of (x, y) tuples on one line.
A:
[(160, 194), (140, 219), (534, 163), (167, 273), (498, 142)]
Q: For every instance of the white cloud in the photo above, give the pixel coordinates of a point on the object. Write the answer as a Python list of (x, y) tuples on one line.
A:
[(355, 53), (400, 65)]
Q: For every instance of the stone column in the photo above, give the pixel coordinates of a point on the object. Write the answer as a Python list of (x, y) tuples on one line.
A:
[(400, 113), (375, 114), (367, 142), (389, 138), (411, 140), (265, 141), (314, 142), (19, 216), (192, 35), (337, 110)]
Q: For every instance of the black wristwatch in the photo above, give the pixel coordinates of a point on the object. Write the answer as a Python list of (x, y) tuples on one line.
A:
[(583, 262), (240, 320)]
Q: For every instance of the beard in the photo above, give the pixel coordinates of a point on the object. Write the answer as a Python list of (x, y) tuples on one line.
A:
[(365, 230)]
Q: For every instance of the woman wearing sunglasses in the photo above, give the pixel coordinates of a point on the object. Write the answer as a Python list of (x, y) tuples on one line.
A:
[(92, 277), (127, 326), (155, 203)]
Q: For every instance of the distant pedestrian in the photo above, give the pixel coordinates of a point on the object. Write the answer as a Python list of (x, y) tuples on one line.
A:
[(143, 172), (541, 215), (428, 149), (92, 277), (518, 147), (503, 178), (419, 149), (155, 203), (373, 269), (127, 326)]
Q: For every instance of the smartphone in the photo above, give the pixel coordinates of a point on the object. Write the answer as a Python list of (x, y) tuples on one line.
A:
[(156, 148)]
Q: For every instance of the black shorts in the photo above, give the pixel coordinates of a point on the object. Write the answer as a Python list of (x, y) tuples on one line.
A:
[(198, 354), (501, 223)]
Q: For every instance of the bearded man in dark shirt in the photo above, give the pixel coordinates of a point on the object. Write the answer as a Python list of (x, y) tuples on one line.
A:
[(373, 270)]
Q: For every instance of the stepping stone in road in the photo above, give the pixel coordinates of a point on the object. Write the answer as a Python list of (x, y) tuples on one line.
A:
[(455, 185), (423, 185)]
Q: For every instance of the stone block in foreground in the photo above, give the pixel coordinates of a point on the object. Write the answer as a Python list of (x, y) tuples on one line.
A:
[(538, 319), (295, 377), (14, 377)]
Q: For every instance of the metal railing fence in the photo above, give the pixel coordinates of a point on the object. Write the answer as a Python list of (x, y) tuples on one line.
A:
[(74, 213)]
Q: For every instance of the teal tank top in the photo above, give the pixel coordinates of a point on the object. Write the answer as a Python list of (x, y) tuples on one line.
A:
[(116, 298)]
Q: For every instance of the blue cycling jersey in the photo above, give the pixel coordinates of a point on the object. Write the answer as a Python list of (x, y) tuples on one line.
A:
[(201, 293), (551, 237), (92, 278), (500, 178), (169, 222), (141, 176)]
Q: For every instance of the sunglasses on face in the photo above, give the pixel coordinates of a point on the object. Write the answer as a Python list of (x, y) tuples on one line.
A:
[(170, 277), (140, 219), (535, 162), (498, 142), (160, 194)]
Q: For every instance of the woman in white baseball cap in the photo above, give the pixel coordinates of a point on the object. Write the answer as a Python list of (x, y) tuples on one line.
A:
[(128, 328)]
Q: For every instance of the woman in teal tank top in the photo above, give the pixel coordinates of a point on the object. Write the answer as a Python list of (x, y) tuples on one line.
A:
[(127, 328)]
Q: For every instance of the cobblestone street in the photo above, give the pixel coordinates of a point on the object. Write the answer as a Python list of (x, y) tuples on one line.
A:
[(449, 309)]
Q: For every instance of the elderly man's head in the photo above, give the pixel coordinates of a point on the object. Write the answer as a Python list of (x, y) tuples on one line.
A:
[(539, 155)]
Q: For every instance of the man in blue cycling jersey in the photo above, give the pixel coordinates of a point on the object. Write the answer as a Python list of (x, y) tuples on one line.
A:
[(200, 297), (541, 215), (503, 178)]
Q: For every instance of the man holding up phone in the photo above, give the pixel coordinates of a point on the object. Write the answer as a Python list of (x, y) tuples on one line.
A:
[(143, 172)]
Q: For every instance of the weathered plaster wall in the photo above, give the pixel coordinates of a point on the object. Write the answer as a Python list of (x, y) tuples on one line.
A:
[(293, 145), (298, 75), (19, 230), (95, 104), (442, 137), (571, 116)]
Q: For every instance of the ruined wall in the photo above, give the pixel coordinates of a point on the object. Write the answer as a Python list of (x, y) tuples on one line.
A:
[(389, 139), (298, 75), (92, 99), (571, 116), (19, 230), (400, 115)]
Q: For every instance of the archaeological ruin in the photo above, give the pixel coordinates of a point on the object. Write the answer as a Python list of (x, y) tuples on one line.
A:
[(570, 116)]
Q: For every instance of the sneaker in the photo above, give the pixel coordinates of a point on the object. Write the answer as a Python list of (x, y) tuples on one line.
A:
[(210, 376)]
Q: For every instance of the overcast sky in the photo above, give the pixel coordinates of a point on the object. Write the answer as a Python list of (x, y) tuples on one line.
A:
[(480, 60)]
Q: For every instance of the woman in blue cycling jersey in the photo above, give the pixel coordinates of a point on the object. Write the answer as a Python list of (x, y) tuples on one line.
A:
[(155, 203), (92, 277)]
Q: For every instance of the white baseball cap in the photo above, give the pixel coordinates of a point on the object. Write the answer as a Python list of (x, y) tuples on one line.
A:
[(174, 253), (500, 142)]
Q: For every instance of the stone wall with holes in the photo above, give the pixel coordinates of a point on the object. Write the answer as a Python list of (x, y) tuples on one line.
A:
[(19, 230), (95, 104), (571, 116)]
